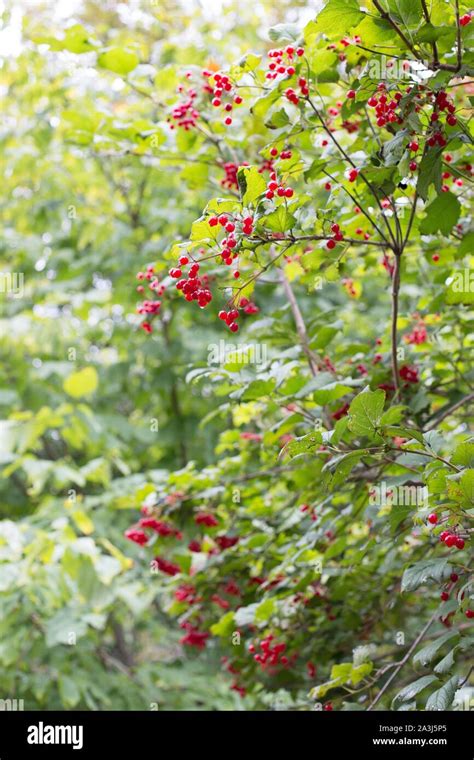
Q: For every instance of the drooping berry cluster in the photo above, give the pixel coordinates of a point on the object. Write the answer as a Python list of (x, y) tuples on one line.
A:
[(272, 654), (292, 95), (282, 62), (224, 95), (148, 307), (274, 186)]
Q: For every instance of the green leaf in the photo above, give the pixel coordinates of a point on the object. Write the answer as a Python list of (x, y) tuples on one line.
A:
[(118, 60), (224, 626), (442, 699), (447, 663), (258, 389), (464, 455), (290, 32), (429, 172), (68, 691), (279, 220), (365, 412), (414, 688), (467, 487), (265, 610), (82, 383), (428, 653), (442, 214), (338, 17), (423, 571), (251, 184)]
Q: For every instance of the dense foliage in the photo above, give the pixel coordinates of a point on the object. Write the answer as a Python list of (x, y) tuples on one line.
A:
[(254, 488)]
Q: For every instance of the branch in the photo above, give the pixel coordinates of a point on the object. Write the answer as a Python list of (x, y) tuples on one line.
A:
[(395, 296), (397, 29), (434, 47), (458, 37), (447, 410), (403, 661), (299, 322)]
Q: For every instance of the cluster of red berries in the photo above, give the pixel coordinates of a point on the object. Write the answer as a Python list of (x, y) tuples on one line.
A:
[(185, 113), (194, 288), (385, 108), (230, 180), (409, 374), (230, 316), (193, 636), (274, 186), (338, 235), (444, 596), (165, 566), (282, 62), (418, 335), (150, 308), (224, 96), (204, 518), (452, 539), (186, 593), (292, 95), (271, 654)]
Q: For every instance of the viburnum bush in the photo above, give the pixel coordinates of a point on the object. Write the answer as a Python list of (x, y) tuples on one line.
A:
[(278, 551), (325, 553)]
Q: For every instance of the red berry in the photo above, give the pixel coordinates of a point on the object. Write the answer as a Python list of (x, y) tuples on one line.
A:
[(274, 152), (228, 121), (327, 186), (335, 228), (230, 227), (222, 315), (300, 50), (460, 543), (288, 192), (233, 327), (464, 21), (470, 614), (331, 244), (444, 596), (454, 577), (236, 274), (216, 102), (351, 94), (451, 120), (413, 166), (413, 146), (213, 220), (183, 260), (433, 518), (353, 174), (450, 540), (435, 257)]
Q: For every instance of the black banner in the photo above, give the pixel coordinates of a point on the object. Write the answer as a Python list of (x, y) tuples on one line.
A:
[(121, 734)]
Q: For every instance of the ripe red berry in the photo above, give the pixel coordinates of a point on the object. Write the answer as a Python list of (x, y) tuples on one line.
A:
[(454, 577), (288, 192), (216, 102), (450, 540), (213, 220), (222, 315), (228, 121), (435, 257), (335, 228), (443, 536), (470, 614), (300, 50), (413, 146), (451, 120), (269, 194), (465, 20), (183, 260), (353, 174), (233, 327), (460, 543), (413, 166), (351, 94), (230, 227), (236, 274), (327, 186), (444, 596), (433, 518), (331, 244), (274, 152)]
